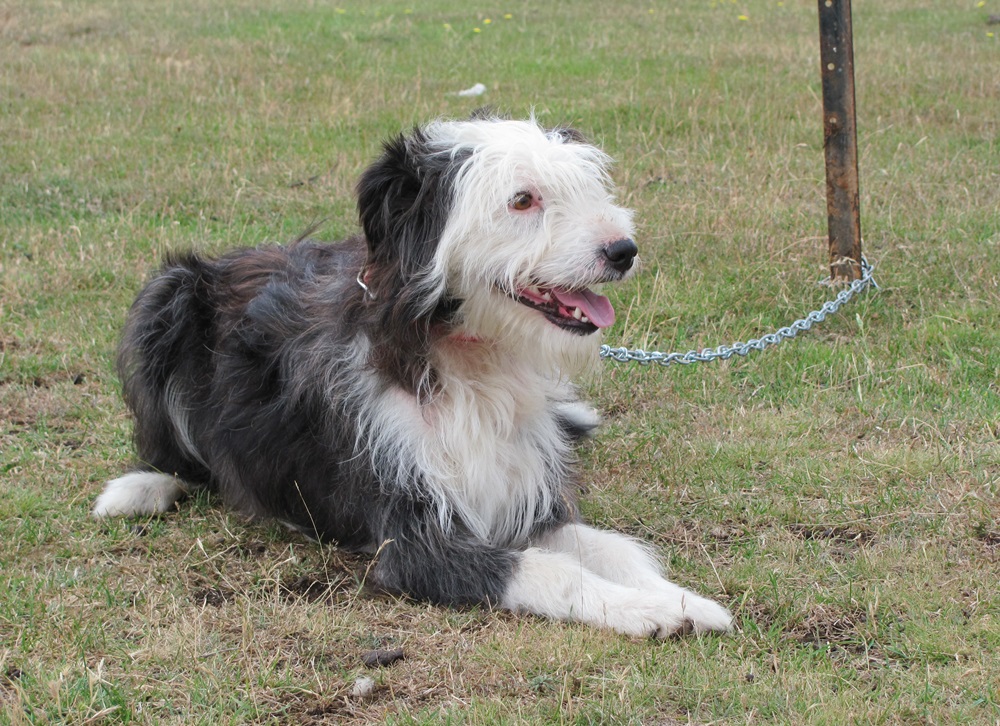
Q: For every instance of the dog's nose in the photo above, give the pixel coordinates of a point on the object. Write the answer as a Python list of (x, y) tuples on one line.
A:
[(620, 253)]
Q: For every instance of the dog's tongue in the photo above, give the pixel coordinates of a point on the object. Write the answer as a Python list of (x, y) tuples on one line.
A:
[(596, 307)]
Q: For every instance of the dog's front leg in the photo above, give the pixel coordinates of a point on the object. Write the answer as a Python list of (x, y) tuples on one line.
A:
[(420, 558), (607, 579), (611, 555)]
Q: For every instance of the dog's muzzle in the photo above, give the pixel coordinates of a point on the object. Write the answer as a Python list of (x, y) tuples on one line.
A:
[(580, 310)]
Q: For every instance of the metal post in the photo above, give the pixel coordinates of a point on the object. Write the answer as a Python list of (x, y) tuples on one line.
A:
[(840, 141)]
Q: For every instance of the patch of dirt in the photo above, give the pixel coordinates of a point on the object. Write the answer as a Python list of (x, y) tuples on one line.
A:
[(57, 29), (251, 549), (10, 688), (846, 634), (841, 534), (24, 403), (214, 597), (325, 582), (692, 534), (312, 709), (14, 351), (989, 539), (313, 588), (828, 627)]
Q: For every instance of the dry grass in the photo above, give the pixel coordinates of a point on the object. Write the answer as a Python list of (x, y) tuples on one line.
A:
[(839, 493)]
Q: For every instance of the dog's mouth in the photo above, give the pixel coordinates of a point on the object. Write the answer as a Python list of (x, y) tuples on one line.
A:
[(580, 311)]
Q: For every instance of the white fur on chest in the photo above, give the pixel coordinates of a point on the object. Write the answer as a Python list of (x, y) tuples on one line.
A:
[(495, 449), (488, 448)]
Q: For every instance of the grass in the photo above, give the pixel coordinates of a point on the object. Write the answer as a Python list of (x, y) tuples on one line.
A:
[(840, 493)]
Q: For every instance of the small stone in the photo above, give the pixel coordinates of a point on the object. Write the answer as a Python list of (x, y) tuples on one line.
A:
[(363, 687)]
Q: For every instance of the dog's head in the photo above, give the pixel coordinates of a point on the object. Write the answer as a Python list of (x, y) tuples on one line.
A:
[(497, 230)]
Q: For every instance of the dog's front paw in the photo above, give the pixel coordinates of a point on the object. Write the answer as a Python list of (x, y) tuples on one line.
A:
[(702, 615), (553, 584), (662, 615)]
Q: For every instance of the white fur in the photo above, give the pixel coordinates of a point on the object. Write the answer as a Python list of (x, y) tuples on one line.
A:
[(578, 414), (607, 580), (482, 441), (489, 434), (140, 493), (180, 417)]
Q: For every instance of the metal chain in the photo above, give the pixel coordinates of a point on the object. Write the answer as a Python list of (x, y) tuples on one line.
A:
[(725, 352)]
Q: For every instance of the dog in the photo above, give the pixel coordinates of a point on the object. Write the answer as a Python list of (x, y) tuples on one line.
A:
[(408, 391)]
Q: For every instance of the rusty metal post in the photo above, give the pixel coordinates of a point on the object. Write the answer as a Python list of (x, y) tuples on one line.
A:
[(840, 141)]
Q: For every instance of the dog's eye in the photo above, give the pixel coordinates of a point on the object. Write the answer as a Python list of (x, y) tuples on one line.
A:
[(522, 201)]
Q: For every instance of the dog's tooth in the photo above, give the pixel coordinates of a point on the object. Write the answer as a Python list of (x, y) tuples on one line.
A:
[(547, 296), (584, 319), (534, 290), (577, 313)]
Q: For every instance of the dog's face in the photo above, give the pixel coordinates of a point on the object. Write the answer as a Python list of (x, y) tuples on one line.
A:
[(514, 223)]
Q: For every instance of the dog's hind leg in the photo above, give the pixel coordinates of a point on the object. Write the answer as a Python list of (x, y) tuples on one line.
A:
[(139, 493)]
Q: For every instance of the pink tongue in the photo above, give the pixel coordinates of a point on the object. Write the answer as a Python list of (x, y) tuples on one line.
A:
[(596, 307)]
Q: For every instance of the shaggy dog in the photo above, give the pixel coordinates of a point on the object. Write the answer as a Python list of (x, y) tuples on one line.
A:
[(406, 390)]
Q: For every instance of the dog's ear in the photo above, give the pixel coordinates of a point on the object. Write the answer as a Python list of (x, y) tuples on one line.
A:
[(403, 202)]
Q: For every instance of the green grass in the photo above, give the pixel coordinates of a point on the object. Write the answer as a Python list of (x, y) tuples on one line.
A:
[(839, 493)]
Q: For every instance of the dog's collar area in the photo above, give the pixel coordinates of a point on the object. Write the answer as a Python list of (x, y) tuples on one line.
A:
[(581, 311)]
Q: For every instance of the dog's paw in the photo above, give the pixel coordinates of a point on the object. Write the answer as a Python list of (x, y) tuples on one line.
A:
[(702, 615), (578, 419), (663, 615), (138, 493), (554, 585)]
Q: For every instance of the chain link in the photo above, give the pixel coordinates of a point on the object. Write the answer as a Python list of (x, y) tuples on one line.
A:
[(725, 352)]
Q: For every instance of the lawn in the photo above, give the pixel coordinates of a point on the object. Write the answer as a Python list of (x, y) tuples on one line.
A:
[(840, 493)]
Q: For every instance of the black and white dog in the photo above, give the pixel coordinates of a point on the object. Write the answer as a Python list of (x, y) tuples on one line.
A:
[(406, 390)]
